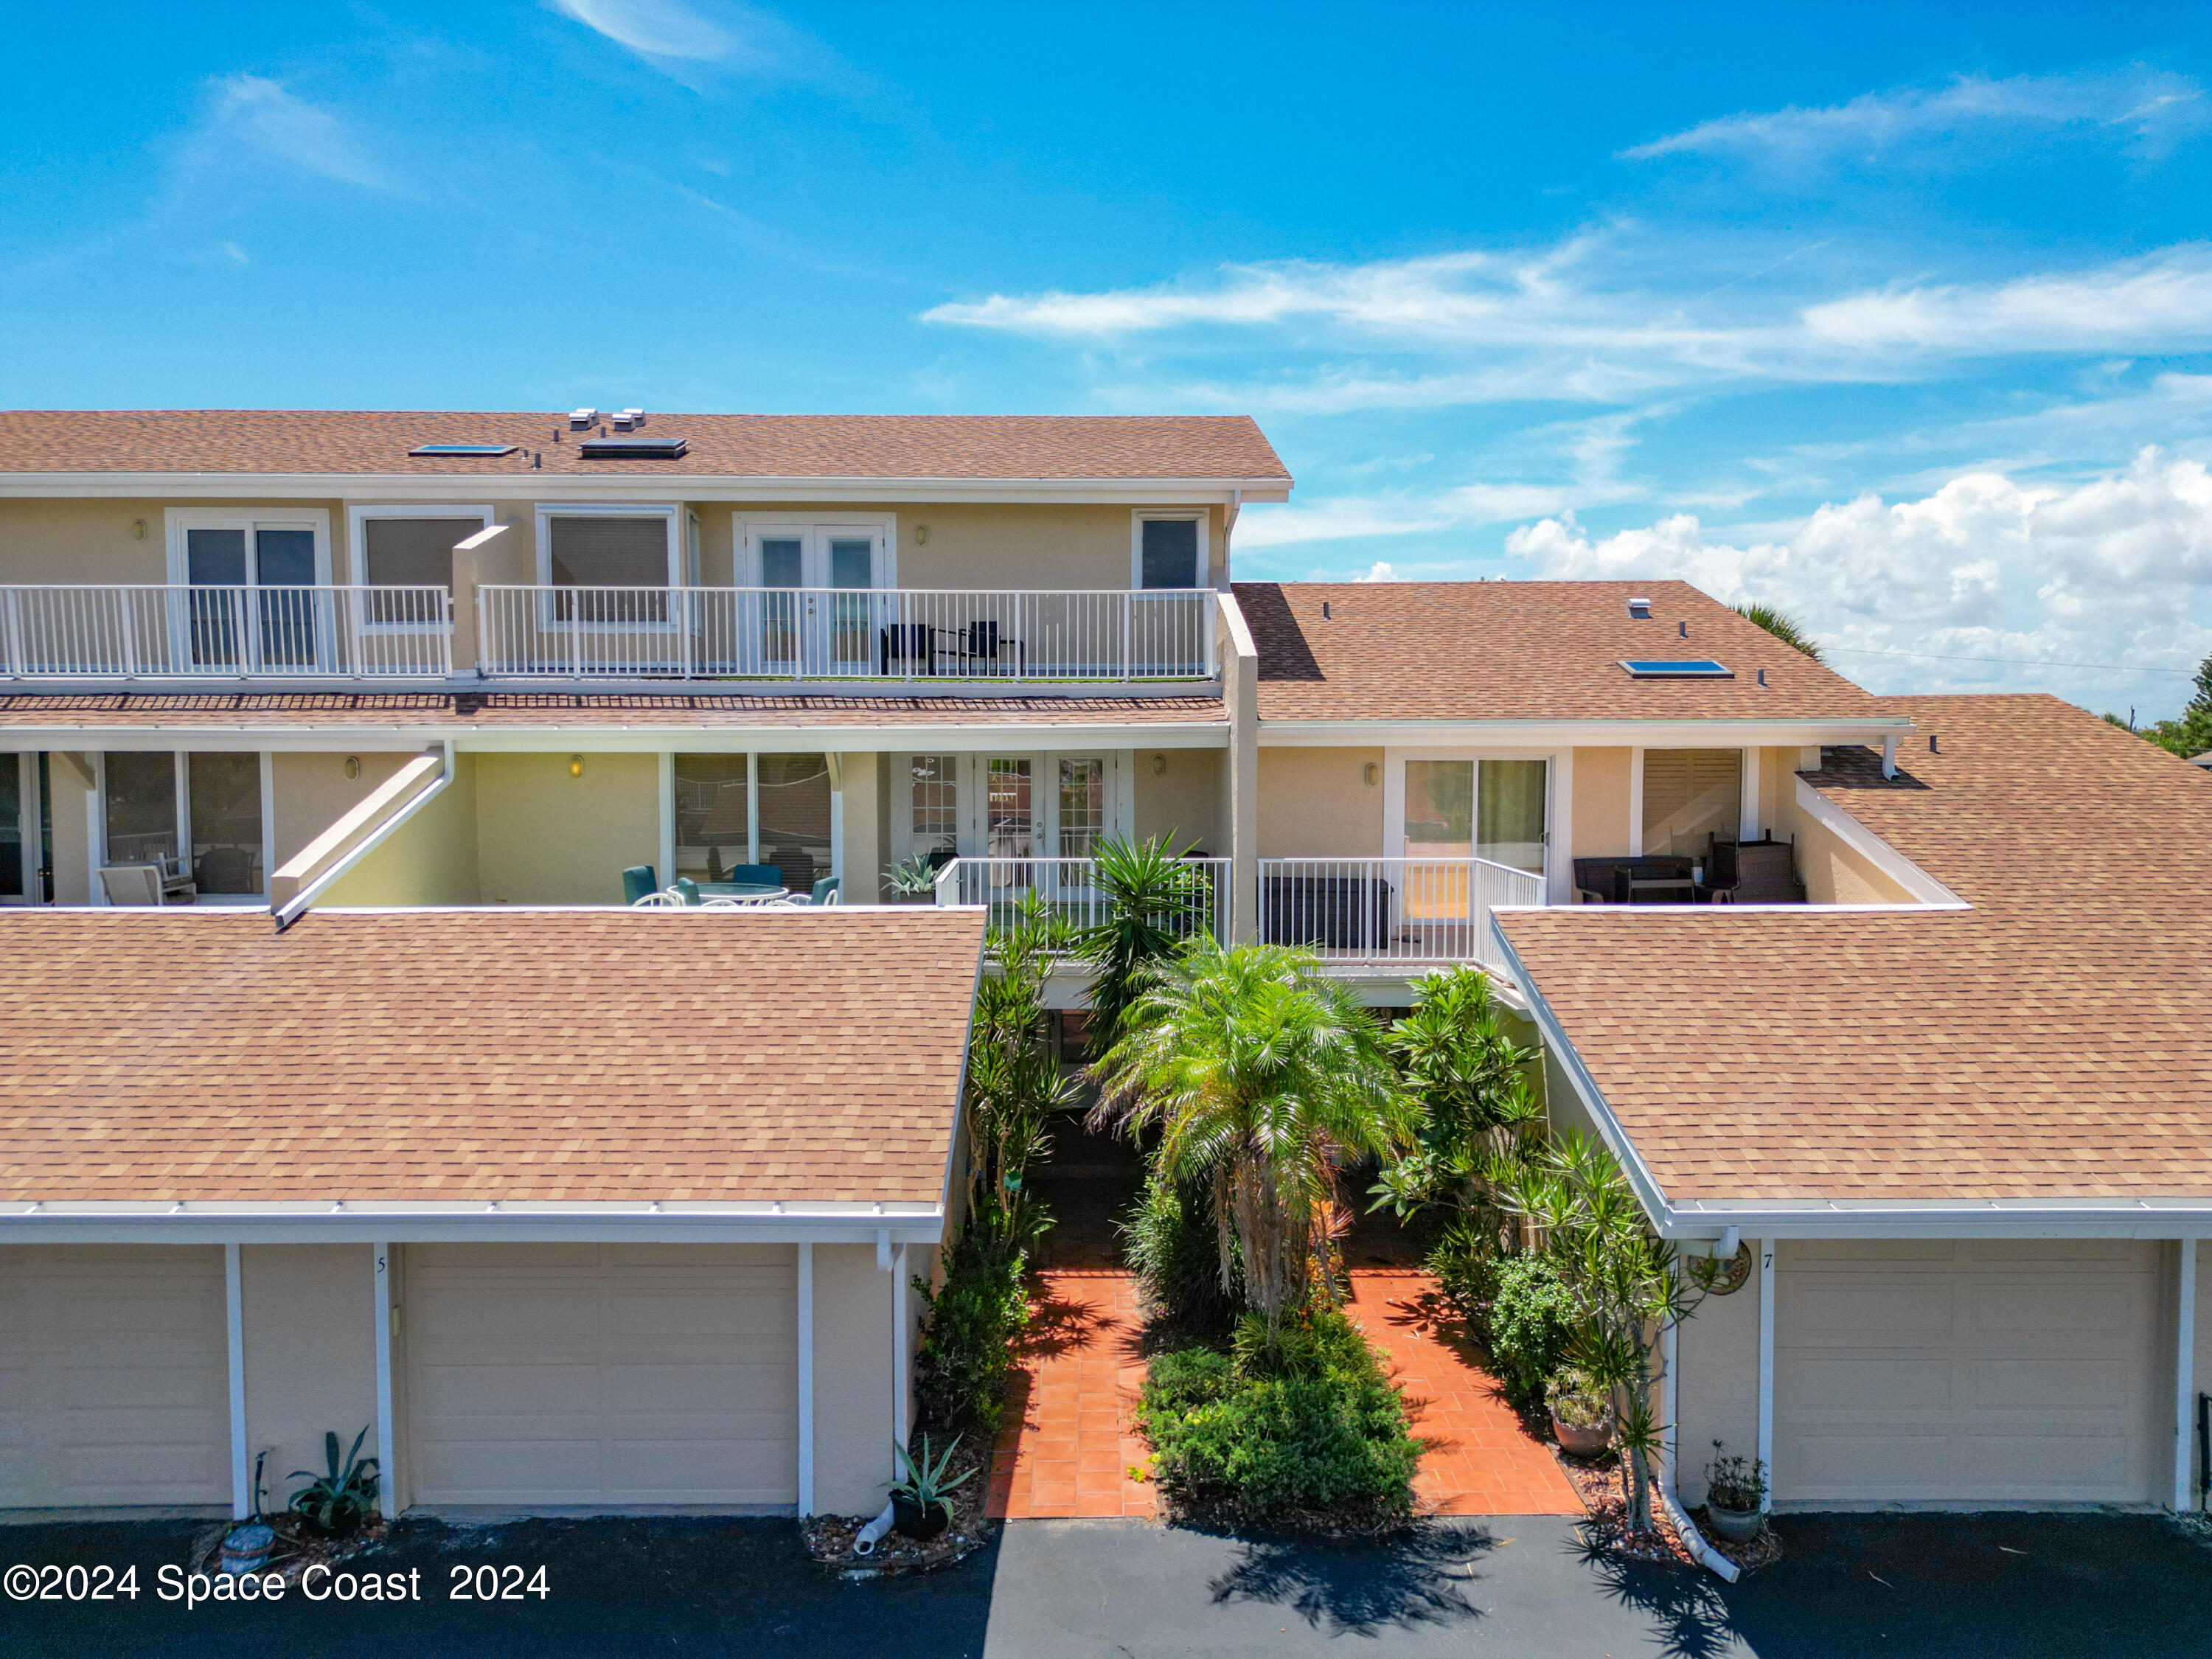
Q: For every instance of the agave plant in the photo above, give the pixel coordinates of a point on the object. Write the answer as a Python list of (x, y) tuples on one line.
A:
[(341, 1497), (925, 1486)]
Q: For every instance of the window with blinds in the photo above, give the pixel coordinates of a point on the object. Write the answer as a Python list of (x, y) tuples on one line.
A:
[(1691, 796), (609, 550)]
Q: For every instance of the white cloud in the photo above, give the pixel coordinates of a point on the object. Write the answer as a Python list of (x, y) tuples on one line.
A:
[(256, 117), (2166, 298), (1380, 571), (2117, 570), (674, 37), (2146, 107)]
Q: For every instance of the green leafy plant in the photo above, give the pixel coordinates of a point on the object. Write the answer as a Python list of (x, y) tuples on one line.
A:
[(1473, 1084), (970, 1325), (912, 879), (1014, 1079), (342, 1498), (1168, 1240), (1529, 1324), (926, 1485), (1297, 1418), (1156, 900), (1735, 1482), (1579, 1400), (1783, 627), (1260, 1075)]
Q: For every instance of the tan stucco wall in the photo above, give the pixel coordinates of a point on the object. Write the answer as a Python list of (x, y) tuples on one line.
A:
[(852, 1380), (313, 793), (1602, 809), (1718, 1350), (861, 880), (310, 1328), (1317, 802), (1833, 874), (544, 837), (429, 859), (70, 806), (1180, 804)]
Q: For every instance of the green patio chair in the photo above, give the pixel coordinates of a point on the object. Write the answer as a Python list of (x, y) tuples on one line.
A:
[(825, 891), (637, 881), (759, 875), (688, 889)]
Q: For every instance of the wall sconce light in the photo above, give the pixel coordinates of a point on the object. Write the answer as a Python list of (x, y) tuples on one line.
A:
[(1159, 765), (1372, 772), (921, 535), (138, 530), (353, 766), (575, 766)]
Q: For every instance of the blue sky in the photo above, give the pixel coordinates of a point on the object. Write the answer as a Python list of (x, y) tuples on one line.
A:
[(1900, 318)]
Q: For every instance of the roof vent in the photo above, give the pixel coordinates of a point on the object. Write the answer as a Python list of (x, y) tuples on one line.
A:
[(633, 449), (582, 420), (1640, 610), (629, 420)]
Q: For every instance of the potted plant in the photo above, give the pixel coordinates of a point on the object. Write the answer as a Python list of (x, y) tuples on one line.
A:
[(914, 882), (341, 1499), (1581, 1415), (1735, 1488), (919, 1510)]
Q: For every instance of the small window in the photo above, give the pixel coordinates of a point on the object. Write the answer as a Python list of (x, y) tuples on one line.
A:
[(1170, 553), (412, 552), (1676, 668), (609, 550)]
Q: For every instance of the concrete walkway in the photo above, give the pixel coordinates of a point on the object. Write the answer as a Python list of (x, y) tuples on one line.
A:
[(1068, 1442)]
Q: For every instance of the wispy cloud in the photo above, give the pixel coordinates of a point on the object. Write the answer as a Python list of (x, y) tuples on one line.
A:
[(2161, 301), (250, 117), (680, 39), (2146, 108)]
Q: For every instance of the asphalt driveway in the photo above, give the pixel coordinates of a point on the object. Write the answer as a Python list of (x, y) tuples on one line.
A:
[(2017, 1586)]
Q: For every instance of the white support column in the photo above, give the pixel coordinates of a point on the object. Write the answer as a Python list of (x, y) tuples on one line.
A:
[(241, 1476), (1636, 803), (1747, 805), (898, 1352), (805, 1380), (665, 876), (2185, 1379), (1765, 1251), (387, 1457)]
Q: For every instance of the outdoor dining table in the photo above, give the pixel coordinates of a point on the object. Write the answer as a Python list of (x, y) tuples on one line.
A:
[(742, 889)]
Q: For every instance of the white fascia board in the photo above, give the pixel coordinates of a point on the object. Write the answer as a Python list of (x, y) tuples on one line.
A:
[(1621, 733), (621, 740), (525, 484), (1873, 849), (318, 1223)]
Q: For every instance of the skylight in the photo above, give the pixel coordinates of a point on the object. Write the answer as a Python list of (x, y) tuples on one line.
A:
[(437, 451), (633, 449), (1676, 668)]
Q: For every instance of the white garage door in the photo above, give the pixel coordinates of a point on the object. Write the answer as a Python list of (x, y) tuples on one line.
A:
[(114, 1377), (1977, 1371), (545, 1375)]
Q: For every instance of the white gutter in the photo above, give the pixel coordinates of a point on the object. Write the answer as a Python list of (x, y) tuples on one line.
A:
[(1794, 733), (522, 483), (369, 1223), (311, 873)]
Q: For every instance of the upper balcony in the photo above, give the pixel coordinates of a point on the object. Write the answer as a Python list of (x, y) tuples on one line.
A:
[(537, 633)]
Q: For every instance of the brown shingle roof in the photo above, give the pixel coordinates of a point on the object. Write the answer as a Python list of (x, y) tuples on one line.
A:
[(1511, 650), (522, 1055), (2048, 1043), (889, 446), (532, 710)]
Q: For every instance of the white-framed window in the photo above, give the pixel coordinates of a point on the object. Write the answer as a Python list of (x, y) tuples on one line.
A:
[(1036, 805), (594, 544), (1168, 548), (407, 546), (807, 549), (204, 815), (730, 810)]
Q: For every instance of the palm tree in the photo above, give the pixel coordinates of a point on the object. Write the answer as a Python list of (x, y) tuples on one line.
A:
[(1261, 1076), (1155, 901), (1784, 628)]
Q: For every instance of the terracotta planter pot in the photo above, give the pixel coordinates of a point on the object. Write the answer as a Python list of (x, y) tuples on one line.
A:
[(1578, 1441), (1737, 1526), (911, 1520)]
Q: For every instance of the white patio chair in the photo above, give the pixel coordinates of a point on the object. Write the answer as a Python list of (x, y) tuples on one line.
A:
[(658, 901), (131, 883)]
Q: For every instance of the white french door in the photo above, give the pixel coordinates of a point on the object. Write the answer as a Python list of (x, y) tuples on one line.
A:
[(820, 614)]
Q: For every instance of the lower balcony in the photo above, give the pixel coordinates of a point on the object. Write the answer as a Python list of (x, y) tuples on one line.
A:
[(1069, 887), (1391, 913)]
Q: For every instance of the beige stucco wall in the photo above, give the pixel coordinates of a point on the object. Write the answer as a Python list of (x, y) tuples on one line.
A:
[(70, 807), (1181, 802), (1833, 872), (852, 1380), (1317, 802), (429, 859), (310, 1329), (1718, 1350), (861, 879), (1602, 808), (313, 793), (544, 837)]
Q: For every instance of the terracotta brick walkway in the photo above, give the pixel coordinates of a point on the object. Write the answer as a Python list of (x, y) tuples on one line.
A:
[(1067, 1443)]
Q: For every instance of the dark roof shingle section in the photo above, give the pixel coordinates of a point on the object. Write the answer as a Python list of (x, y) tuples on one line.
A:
[(1042, 448), (532, 710), (1514, 650), (2048, 1043), (523, 1055)]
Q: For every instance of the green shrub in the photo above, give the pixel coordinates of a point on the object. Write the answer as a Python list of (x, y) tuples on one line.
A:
[(970, 1325), (1169, 1243), (1310, 1424), (1530, 1320), (1464, 1259)]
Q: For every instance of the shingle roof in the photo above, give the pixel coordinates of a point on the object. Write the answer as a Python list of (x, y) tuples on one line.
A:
[(2050, 1042), (1512, 650), (522, 1055), (532, 710), (889, 446)]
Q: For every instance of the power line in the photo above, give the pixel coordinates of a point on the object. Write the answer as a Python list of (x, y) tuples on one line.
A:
[(2020, 662)]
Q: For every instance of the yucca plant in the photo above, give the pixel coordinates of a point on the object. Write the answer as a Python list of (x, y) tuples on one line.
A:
[(342, 1498)]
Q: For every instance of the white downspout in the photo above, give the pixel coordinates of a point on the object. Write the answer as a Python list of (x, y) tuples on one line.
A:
[(1693, 1540)]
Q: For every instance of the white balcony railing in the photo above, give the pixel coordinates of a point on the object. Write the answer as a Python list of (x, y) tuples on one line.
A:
[(1387, 911), (843, 634), (225, 633), (1068, 885)]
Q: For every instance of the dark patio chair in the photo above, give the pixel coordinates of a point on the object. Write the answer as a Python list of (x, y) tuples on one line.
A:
[(637, 881), (909, 644)]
